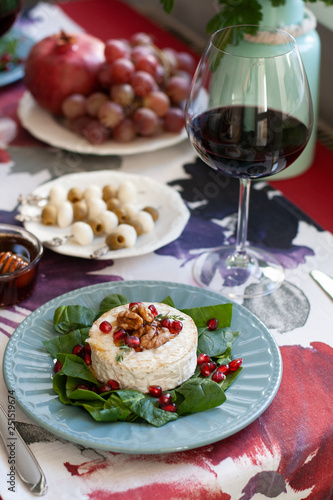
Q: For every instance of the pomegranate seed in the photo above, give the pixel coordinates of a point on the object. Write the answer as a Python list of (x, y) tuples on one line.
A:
[(170, 407), (77, 349), (212, 366), (105, 327), (113, 384), (212, 324), (134, 304), (104, 388), (218, 376), (166, 323), (165, 399), (82, 386), (153, 310), (155, 391), (57, 366), (120, 334), (177, 325), (87, 359), (132, 341), (235, 364), (223, 369), (86, 349), (205, 369), (94, 388), (203, 358)]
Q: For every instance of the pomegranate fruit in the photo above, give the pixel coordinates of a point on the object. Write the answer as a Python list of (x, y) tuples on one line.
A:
[(63, 64)]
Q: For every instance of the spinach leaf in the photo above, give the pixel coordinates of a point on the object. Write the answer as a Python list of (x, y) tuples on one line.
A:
[(200, 315), (111, 301), (73, 317), (144, 407), (65, 343), (214, 343), (229, 379), (73, 366), (125, 414), (199, 394), (102, 414), (59, 387), (168, 301)]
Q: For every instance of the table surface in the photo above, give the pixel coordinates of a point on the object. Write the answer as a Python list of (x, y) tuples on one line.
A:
[(286, 452)]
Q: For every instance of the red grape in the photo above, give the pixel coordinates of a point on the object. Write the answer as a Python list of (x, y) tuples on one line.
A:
[(158, 102), (95, 132), (110, 114), (147, 63), (139, 51), (174, 120), (115, 49), (185, 61), (141, 39), (145, 121), (125, 131), (103, 75), (121, 71), (177, 89), (74, 106), (122, 94), (143, 83), (94, 102)]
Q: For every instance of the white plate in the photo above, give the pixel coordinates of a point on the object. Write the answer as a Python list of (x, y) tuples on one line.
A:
[(173, 213), (45, 127)]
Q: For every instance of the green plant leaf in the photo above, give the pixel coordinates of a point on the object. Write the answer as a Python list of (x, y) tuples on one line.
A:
[(199, 394), (200, 315), (73, 366), (74, 317), (65, 343), (168, 5), (111, 301), (143, 407), (168, 301), (214, 343)]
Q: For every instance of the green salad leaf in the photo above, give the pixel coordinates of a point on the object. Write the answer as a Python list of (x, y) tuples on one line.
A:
[(76, 385), (65, 343), (111, 301), (68, 318), (200, 315), (199, 394), (215, 343)]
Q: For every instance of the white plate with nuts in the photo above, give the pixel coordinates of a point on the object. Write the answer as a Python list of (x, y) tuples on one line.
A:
[(104, 214)]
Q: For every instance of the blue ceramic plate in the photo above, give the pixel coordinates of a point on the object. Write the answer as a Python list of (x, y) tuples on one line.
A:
[(24, 44), (28, 371)]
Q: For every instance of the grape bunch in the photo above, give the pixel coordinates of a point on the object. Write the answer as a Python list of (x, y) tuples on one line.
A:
[(142, 93)]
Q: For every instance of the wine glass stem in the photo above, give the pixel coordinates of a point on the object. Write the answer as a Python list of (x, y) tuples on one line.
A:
[(243, 214)]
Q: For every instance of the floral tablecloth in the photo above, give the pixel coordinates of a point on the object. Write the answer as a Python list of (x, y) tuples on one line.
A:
[(287, 451)]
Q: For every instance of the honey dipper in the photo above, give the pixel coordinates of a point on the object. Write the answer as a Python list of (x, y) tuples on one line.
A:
[(10, 262)]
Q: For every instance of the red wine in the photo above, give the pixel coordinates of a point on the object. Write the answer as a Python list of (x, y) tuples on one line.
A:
[(242, 141), (9, 10)]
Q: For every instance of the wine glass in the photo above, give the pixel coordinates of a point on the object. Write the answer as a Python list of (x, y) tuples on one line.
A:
[(248, 115)]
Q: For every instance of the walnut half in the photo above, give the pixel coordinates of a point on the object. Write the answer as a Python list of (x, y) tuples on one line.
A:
[(129, 320)]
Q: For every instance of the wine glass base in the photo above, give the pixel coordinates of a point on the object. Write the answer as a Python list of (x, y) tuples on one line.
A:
[(239, 275)]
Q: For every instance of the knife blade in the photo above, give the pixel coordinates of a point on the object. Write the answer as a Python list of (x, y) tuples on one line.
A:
[(21, 460), (324, 281)]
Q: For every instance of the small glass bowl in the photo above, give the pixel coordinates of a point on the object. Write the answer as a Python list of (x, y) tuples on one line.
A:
[(18, 284)]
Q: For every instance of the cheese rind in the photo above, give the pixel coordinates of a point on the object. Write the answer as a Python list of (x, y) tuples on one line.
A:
[(168, 366)]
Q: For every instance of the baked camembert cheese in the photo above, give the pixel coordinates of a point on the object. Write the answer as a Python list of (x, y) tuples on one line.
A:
[(160, 355)]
